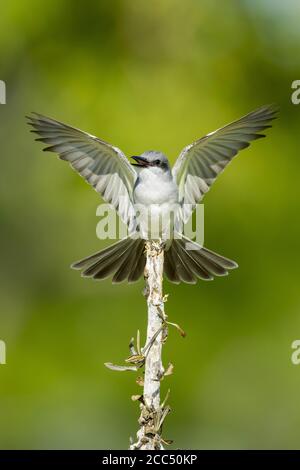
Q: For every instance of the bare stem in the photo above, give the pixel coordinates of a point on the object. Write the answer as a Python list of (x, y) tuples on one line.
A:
[(152, 412)]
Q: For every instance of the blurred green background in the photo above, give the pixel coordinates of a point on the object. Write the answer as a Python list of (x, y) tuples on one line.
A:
[(149, 75)]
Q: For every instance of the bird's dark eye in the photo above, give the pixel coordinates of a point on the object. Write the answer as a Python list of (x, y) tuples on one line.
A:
[(157, 162)]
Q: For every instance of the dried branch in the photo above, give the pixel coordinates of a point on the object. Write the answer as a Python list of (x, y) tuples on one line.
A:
[(152, 412)]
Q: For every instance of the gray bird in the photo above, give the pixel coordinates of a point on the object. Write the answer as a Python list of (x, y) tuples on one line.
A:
[(150, 182)]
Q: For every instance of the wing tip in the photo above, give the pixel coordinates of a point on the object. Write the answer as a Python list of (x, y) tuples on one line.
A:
[(271, 111)]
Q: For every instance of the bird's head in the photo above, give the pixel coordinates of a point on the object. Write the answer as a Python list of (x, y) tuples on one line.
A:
[(152, 160)]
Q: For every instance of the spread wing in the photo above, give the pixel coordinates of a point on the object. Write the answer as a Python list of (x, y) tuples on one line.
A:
[(201, 162), (103, 166)]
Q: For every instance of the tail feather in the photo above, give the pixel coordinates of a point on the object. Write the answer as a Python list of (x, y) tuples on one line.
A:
[(139, 267), (125, 260), (119, 260), (129, 262), (89, 260), (170, 268), (106, 262), (178, 267), (220, 260), (211, 255), (183, 264), (111, 266), (212, 267), (195, 264)]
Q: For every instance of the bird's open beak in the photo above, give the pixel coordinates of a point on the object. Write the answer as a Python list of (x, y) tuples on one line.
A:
[(140, 161)]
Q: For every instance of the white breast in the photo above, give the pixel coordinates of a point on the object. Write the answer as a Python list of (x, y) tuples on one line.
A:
[(155, 186), (157, 193)]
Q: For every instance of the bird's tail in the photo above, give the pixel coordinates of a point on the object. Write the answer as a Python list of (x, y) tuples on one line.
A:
[(185, 261), (122, 260)]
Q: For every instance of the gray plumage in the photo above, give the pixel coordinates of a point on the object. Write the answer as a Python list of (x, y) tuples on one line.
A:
[(150, 182)]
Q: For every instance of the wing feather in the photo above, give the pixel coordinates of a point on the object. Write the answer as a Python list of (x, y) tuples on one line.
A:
[(102, 165), (201, 162)]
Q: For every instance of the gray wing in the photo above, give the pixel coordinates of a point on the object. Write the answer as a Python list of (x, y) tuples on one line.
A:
[(200, 163), (103, 166)]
